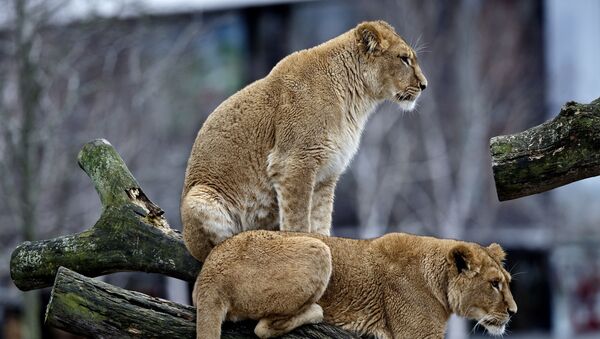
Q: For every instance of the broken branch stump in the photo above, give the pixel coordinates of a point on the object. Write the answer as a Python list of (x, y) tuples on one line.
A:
[(131, 234), (555, 153)]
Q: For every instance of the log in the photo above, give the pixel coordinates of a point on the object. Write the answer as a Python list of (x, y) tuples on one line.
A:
[(92, 308), (555, 153), (132, 233)]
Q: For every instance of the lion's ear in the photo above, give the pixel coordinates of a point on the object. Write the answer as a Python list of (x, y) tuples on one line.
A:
[(496, 252), (461, 257), (370, 39)]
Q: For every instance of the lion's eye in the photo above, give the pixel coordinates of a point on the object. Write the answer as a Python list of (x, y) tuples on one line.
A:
[(405, 60), (495, 284)]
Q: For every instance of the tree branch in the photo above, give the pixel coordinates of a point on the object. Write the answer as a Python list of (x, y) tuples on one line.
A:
[(550, 155), (92, 308), (131, 234)]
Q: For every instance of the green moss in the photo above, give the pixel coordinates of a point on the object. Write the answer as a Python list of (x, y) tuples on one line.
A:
[(588, 123), (77, 304), (501, 148), (538, 168)]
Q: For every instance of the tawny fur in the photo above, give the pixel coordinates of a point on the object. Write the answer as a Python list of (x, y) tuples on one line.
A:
[(269, 157), (395, 286)]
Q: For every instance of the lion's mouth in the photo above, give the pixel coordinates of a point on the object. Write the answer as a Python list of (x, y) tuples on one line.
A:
[(405, 97), (407, 100), (492, 323), (411, 93)]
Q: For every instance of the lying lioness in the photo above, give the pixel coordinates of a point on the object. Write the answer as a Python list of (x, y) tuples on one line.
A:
[(396, 286)]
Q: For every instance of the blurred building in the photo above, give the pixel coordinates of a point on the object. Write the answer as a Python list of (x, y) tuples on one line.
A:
[(572, 36), (145, 74)]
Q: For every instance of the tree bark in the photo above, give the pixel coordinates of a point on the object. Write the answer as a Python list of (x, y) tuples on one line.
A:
[(96, 309), (550, 155), (131, 234)]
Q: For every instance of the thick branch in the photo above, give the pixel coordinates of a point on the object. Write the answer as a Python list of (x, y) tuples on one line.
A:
[(550, 155), (93, 308), (131, 234)]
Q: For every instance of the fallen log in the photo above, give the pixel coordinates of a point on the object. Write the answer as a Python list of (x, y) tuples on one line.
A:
[(92, 308), (555, 153)]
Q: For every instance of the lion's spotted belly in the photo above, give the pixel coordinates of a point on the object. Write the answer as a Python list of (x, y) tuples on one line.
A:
[(260, 211)]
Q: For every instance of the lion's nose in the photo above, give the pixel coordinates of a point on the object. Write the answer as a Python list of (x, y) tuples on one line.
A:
[(422, 86), (511, 313)]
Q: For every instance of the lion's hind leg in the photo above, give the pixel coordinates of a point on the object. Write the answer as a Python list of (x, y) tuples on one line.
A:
[(269, 327), (298, 273), (206, 221), (267, 276)]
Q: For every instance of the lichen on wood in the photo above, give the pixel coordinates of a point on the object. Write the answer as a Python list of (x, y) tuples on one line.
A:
[(555, 153)]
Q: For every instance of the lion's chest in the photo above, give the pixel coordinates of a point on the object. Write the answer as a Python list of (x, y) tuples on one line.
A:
[(344, 140), (342, 148)]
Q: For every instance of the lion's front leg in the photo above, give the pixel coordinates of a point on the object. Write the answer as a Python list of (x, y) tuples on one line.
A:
[(322, 206), (294, 185)]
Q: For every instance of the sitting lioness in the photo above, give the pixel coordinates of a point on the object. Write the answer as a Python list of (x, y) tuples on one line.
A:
[(269, 157), (396, 286)]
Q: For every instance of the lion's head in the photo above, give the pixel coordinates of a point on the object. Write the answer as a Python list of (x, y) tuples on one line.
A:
[(479, 286), (390, 65)]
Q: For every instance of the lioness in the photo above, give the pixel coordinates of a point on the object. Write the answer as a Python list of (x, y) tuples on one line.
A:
[(395, 286), (269, 157)]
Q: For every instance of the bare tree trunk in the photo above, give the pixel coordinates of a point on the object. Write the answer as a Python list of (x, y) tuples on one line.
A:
[(28, 101)]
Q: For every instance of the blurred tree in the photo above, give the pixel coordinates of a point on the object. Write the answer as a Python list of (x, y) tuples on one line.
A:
[(23, 146)]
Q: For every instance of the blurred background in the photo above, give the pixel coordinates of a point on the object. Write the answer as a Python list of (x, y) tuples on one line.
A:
[(145, 74)]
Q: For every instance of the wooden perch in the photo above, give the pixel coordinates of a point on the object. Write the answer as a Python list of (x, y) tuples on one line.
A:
[(131, 234), (93, 308), (550, 155)]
